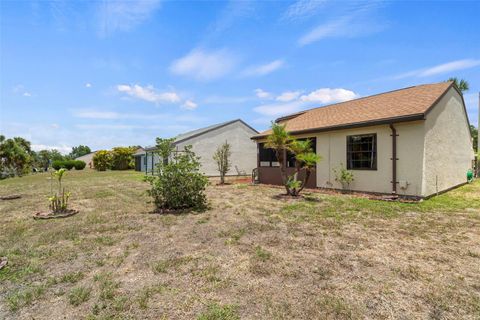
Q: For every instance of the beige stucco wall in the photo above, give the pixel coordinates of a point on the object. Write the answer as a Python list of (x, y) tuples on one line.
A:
[(88, 159), (332, 146), (244, 150), (448, 150)]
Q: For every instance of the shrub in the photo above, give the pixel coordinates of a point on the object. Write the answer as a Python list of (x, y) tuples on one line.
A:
[(102, 160), (69, 164), (343, 176), (65, 164), (79, 164), (58, 164), (122, 158), (178, 183)]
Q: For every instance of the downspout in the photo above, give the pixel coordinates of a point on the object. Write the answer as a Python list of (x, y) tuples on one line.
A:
[(394, 158)]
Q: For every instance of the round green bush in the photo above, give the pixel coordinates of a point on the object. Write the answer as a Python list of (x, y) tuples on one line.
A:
[(58, 164), (79, 165), (69, 164)]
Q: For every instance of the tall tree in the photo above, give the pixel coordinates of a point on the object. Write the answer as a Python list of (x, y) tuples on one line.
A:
[(79, 151), (15, 156), (474, 132), (461, 84)]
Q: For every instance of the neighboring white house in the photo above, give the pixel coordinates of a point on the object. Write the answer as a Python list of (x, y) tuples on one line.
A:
[(88, 159), (205, 142), (414, 141)]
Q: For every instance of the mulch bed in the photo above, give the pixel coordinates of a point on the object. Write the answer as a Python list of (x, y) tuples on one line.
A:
[(10, 197), (357, 194), (51, 215)]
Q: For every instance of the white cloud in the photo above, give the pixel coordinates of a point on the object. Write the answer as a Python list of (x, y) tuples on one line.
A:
[(123, 15), (20, 89), (450, 66), (88, 85), (278, 109), (64, 149), (288, 96), (352, 19), (110, 115), (148, 93), (204, 65), (262, 94), (327, 95), (302, 9), (189, 105), (441, 68), (299, 102), (264, 69), (97, 115)]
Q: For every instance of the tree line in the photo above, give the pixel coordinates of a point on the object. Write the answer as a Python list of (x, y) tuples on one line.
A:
[(17, 157)]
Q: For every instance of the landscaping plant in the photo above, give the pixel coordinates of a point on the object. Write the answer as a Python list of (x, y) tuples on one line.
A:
[(343, 176), (79, 164), (59, 201), (306, 160), (222, 158), (122, 158), (102, 160), (178, 183)]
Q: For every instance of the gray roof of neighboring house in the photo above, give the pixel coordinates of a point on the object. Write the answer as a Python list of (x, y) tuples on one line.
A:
[(198, 132)]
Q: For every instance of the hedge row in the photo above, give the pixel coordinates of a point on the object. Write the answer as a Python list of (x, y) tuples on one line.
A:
[(69, 164)]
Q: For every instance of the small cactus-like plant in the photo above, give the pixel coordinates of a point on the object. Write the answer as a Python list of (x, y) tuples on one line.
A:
[(59, 200)]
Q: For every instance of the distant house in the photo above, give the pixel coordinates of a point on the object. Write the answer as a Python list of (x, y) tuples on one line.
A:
[(88, 159), (205, 142), (414, 141)]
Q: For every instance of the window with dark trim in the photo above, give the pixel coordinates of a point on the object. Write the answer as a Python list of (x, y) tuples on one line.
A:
[(291, 156), (362, 152), (267, 156)]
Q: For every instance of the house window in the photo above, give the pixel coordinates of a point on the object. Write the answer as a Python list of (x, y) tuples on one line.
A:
[(291, 156), (267, 156), (362, 152)]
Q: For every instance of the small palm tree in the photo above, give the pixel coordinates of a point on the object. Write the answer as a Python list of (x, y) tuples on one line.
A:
[(461, 84), (305, 159), (279, 140), (308, 162)]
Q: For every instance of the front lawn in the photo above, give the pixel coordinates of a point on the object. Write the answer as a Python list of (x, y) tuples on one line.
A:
[(250, 256)]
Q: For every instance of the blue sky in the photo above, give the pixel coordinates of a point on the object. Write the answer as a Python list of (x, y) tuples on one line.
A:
[(109, 73)]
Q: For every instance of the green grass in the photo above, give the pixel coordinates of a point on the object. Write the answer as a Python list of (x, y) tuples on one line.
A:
[(344, 208), (163, 266), (262, 254), (147, 293), (72, 277), (109, 257), (220, 312), (79, 295), (24, 297)]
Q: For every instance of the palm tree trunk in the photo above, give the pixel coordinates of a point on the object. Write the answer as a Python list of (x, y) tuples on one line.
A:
[(307, 176), (283, 172)]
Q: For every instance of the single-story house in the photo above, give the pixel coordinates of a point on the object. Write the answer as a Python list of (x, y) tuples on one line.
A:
[(88, 159), (205, 142), (414, 141)]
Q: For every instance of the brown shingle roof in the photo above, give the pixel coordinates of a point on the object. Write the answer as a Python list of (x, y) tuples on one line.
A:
[(403, 104)]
